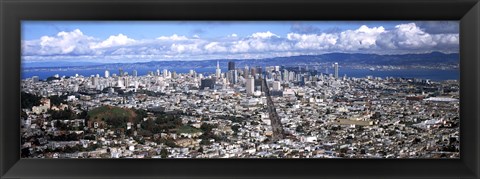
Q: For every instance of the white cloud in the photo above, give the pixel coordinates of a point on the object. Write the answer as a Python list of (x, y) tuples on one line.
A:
[(403, 38), (264, 35), (113, 41), (184, 48), (410, 37), (215, 47), (74, 42), (174, 37), (313, 41), (239, 46), (361, 38)]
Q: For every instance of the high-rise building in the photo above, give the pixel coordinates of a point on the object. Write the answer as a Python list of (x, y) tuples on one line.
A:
[(285, 75), (158, 72), (218, 71), (245, 72), (250, 85), (231, 65), (232, 76), (259, 70), (335, 65), (94, 81), (253, 71), (107, 74), (207, 83), (174, 75), (165, 73), (235, 77), (277, 68), (276, 86), (126, 82), (120, 72), (135, 73)]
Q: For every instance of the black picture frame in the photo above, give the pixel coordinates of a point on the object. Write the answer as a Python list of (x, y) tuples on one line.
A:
[(13, 11)]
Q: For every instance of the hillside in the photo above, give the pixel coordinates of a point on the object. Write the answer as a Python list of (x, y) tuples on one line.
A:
[(115, 116)]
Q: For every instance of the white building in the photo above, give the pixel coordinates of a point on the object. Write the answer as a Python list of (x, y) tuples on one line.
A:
[(250, 85), (218, 71), (276, 86), (335, 65)]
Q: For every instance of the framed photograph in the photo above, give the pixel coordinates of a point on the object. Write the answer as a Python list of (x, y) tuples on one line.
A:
[(244, 89)]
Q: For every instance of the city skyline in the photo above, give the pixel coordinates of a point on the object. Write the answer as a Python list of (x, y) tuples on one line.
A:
[(109, 42), (255, 112), (264, 89)]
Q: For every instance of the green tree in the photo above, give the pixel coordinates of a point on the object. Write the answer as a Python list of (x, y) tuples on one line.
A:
[(29, 100), (235, 128), (56, 100), (164, 153)]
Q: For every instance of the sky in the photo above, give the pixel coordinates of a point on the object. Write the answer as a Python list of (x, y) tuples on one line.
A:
[(140, 41)]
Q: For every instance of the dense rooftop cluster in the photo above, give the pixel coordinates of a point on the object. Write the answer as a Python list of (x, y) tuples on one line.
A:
[(227, 115)]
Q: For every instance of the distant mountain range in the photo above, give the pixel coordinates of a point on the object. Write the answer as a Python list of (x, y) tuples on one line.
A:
[(427, 59)]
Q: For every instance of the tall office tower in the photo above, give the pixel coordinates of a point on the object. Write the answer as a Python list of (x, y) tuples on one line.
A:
[(231, 66), (285, 75), (291, 76), (259, 70), (245, 72), (235, 77), (258, 83), (250, 85), (174, 75), (218, 72), (165, 73), (277, 68), (135, 73), (253, 71), (276, 86), (230, 76), (126, 82), (94, 81), (158, 72), (335, 65), (107, 74), (120, 72)]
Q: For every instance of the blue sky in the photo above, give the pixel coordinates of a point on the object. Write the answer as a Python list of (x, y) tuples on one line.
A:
[(152, 29), (132, 41)]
